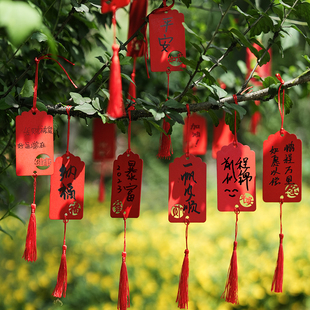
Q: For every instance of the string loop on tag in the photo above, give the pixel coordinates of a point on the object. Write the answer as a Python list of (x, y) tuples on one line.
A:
[(282, 111), (68, 132), (187, 130), (235, 134), (165, 8), (35, 88)]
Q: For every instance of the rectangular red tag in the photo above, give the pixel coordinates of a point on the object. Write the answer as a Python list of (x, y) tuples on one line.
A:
[(104, 144), (126, 185), (67, 188), (167, 40), (187, 190), (236, 178), (34, 144), (197, 134), (282, 168)]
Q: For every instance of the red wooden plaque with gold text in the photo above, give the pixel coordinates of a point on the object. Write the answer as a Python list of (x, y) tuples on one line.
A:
[(187, 190), (236, 178), (34, 144), (282, 168), (67, 188), (126, 185)]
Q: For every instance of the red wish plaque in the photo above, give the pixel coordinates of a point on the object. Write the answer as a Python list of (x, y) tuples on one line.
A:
[(197, 134), (34, 144), (167, 40), (104, 145), (282, 172), (236, 178), (126, 185), (67, 188), (187, 190)]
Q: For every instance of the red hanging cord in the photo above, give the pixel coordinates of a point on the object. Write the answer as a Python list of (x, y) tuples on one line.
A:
[(231, 288), (188, 129), (182, 297), (30, 252), (123, 290), (68, 132), (277, 282), (131, 108), (165, 8), (35, 89), (61, 285), (278, 76), (235, 134)]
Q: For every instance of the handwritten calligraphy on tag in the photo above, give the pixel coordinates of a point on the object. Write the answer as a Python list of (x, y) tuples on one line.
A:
[(167, 40), (67, 188), (126, 185), (34, 144), (282, 168), (236, 178), (197, 135), (187, 190), (104, 144)]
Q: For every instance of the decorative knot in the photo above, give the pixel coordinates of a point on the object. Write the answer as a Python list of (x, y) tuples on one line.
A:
[(281, 237), (33, 208), (278, 76), (37, 60), (115, 47), (124, 254), (186, 251), (34, 110), (64, 248), (235, 245)]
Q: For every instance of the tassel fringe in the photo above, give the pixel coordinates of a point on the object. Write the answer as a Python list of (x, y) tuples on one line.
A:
[(182, 298), (61, 285), (123, 291), (277, 283), (30, 253)]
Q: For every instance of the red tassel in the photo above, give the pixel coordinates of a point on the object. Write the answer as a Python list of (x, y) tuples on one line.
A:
[(30, 253), (101, 189), (132, 95), (115, 106), (277, 282), (61, 285), (165, 142), (123, 291), (231, 289), (182, 298)]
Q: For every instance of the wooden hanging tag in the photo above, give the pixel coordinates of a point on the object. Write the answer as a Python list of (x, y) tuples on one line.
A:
[(67, 188), (104, 137), (197, 135), (167, 40), (126, 185), (282, 168), (236, 178), (187, 190), (34, 143)]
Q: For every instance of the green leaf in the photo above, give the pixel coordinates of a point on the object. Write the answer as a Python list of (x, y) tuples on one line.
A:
[(245, 41), (104, 118), (105, 92), (96, 104), (40, 37), (187, 2), (4, 105), (176, 116), (1, 229), (288, 103), (148, 127), (27, 89), (240, 110), (278, 11), (197, 47), (230, 121), (121, 126), (82, 8), (189, 62), (41, 106), (125, 60), (240, 11), (171, 103), (273, 89), (214, 117), (264, 25), (78, 99), (190, 31), (157, 115), (269, 80), (19, 19), (87, 108), (158, 127), (152, 98)]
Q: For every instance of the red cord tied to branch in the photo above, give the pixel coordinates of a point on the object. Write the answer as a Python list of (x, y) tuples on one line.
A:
[(30, 252), (37, 60), (277, 282), (164, 8), (61, 285), (282, 111), (231, 288), (182, 297)]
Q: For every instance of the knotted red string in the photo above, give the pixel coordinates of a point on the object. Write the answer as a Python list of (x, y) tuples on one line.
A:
[(231, 288), (30, 252), (123, 290), (61, 285), (182, 297), (35, 89), (278, 76), (235, 134), (277, 282), (165, 8)]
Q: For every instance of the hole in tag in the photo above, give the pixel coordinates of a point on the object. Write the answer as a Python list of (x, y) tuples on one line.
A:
[(43, 161), (174, 58)]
